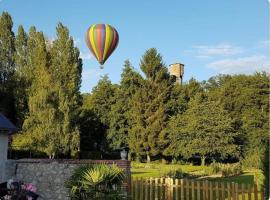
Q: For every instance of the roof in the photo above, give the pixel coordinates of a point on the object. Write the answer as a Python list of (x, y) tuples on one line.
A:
[(6, 125)]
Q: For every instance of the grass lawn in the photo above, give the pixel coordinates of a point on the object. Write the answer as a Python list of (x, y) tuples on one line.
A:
[(155, 170)]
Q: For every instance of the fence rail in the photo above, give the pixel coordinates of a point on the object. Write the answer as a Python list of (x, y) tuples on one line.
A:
[(186, 189)]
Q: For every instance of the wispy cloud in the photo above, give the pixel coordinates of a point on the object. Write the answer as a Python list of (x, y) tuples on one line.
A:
[(77, 41), (264, 44), (208, 51), (86, 55), (245, 65), (88, 74)]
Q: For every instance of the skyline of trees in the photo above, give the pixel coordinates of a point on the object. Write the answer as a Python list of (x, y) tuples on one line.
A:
[(145, 112)]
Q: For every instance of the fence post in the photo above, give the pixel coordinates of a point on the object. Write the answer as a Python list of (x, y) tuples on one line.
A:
[(236, 191), (198, 190), (156, 188), (211, 190), (187, 188), (172, 188), (151, 189), (176, 188), (233, 191), (146, 189), (192, 189), (249, 192), (182, 188), (243, 191), (141, 189), (229, 191), (255, 192)]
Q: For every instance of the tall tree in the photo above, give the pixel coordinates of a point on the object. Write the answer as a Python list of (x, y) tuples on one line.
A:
[(119, 123), (65, 69), (100, 103), (22, 79), (148, 111), (39, 128), (7, 67), (54, 95)]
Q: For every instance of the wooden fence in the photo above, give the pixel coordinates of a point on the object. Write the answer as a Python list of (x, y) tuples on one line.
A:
[(186, 189)]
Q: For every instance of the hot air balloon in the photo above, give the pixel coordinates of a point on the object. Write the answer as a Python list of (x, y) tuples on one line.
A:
[(101, 39)]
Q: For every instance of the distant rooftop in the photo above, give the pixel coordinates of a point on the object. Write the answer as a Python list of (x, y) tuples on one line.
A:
[(6, 125)]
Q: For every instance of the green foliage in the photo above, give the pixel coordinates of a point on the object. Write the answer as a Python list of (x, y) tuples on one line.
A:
[(97, 181), (173, 173), (119, 121), (224, 118), (148, 112), (225, 169), (205, 129), (7, 66), (49, 125)]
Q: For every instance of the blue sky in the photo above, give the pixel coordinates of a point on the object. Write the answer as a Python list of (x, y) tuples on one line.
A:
[(209, 37)]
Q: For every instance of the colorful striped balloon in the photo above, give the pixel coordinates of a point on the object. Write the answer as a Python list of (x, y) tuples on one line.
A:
[(101, 39)]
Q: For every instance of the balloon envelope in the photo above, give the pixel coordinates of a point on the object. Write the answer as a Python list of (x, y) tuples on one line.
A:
[(101, 39)]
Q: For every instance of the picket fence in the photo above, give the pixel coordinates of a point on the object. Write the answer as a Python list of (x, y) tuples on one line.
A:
[(187, 189)]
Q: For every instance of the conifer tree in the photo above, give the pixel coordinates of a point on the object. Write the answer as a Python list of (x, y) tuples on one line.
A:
[(22, 79), (6, 65), (65, 69), (40, 130), (119, 124), (100, 103), (148, 112)]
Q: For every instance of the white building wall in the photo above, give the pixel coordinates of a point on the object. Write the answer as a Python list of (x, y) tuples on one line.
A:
[(3, 154)]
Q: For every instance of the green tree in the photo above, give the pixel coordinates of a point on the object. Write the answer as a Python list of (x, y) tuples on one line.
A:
[(22, 79), (65, 69), (119, 123), (91, 128), (7, 67), (100, 103), (148, 111), (54, 96), (39, 128), (205, 129)]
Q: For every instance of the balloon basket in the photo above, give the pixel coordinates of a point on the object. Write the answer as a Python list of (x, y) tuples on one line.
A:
[(101, 66)]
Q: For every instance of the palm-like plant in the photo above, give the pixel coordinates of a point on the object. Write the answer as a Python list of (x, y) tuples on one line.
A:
[(98, 181)]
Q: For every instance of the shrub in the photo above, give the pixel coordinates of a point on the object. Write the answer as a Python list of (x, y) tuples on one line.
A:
[(254, 159), (172, 173), (225, 169), (259, 178), (174, 161), (97, 181)]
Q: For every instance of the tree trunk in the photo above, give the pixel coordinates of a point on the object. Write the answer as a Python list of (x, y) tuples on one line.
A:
[(203, 160), (138, 157), (129, 156), (148, 157)]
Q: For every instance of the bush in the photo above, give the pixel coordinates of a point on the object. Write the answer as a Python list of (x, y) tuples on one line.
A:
[(225, 169), (174, 161), (98, 181), (254, 159), (172, 173)]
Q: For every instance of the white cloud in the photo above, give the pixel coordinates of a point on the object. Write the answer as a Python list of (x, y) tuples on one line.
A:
[(88, 74), (77, 41), (245, 65), (263, 44), (86, 56), (206, 51)]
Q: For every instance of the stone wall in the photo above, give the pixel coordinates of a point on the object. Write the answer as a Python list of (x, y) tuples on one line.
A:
[(49, 176), (3, 154)]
